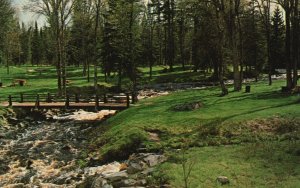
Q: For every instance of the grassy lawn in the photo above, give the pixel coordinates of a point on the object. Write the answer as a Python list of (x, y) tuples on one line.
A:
[(252, 138), (267, 164), (36, 82), (245, 136), (46, 81)]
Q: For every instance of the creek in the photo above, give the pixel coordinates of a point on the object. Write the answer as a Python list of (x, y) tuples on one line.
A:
[(40, 153)]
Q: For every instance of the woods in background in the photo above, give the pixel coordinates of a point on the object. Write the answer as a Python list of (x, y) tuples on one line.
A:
[(229, 38)]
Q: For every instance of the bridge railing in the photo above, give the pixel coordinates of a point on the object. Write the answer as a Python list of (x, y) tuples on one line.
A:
[(125, 98)]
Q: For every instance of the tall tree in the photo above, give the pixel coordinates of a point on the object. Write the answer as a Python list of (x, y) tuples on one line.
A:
[(58, 15), (6, 19), (277, 39), (295, 42), (264, 7), (287, 5), (35, 46), (25, 44)]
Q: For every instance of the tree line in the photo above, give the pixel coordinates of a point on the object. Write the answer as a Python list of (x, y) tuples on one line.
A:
[(237, 38)]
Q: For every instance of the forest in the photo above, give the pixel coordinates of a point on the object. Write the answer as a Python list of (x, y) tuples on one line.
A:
[(232, 39), (149, 93)]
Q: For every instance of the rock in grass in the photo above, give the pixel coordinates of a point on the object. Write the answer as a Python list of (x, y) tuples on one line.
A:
[(134, 167), (223, 180), (187, 106), (153, 160)]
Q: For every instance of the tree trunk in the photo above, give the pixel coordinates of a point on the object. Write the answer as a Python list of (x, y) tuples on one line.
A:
[(195, 46), (95, 44), (295, 43), (268, 36), (182, 41), (289, 81)]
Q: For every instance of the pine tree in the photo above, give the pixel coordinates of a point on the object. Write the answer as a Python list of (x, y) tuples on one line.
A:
[(277, 39), (35, 46), (25, 45)]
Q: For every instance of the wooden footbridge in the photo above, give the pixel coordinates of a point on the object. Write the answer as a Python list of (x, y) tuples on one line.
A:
[(118, 101)]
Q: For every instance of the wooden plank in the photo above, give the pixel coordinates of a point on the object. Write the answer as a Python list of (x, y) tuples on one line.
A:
[(71, 105)]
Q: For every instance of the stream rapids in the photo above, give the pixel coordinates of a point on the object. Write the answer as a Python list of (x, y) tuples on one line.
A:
[(42, 153)]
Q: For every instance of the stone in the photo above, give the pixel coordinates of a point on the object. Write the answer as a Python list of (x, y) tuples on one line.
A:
[(100, 182), (116, 176), (223, 180), (141, 182), (147, 171), (129, 182), (188, 106), (123, 166), (105, 169), (17, 185), (153, 160), (134, 168)]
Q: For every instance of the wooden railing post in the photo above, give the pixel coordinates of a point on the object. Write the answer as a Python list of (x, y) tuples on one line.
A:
[(104, 98), (21, 97), (67, 104), (128, 100), (37, 102), (97, 102), (76, 98), (48, 97), (10, 100), (133, 97)]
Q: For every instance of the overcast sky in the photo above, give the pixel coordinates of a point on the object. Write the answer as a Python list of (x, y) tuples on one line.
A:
[(27, 17)]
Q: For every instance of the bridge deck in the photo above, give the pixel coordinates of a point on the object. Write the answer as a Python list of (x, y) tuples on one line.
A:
[(80, 105)]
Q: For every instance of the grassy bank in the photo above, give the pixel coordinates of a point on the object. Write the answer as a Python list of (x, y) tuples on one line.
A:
[(265, 164), (42, 79), (225, 127)]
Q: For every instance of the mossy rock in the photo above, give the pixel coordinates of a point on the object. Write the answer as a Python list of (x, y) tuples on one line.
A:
[(187, 106)]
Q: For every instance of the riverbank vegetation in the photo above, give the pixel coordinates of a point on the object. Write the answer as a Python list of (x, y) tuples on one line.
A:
[(246, 136), (130, 46)]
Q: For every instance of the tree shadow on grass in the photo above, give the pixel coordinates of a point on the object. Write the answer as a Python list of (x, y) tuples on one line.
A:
[(255, 96), (223, 119)]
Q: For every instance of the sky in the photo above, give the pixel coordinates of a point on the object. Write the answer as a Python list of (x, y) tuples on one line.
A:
[(28, 17), (25, 16)]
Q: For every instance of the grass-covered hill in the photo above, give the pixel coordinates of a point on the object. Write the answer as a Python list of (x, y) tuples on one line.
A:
[(253, 138)]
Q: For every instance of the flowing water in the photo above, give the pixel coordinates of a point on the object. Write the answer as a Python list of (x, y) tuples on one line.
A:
[(42, 153)]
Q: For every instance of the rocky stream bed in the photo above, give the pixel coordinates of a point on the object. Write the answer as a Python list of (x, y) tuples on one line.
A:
[(47, 153)]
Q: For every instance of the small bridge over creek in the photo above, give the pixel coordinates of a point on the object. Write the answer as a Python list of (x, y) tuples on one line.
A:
[(118, 101)]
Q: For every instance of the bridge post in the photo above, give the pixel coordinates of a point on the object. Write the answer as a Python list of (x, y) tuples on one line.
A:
[(22, 97), (97, 102), (67, 104), (133, 97), (104, 98), (127, 100), (76, 98), (37, 102), (48, 97), (10, 100)]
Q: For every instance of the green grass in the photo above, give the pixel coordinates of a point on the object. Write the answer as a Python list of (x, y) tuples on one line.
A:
[(156, 115), (268, 164), (36, 82), (250, 137), (45, 82), (223, 132)]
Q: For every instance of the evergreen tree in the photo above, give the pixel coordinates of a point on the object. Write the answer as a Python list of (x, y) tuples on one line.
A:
[(35, 46), (25, 45), (277, 40)]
